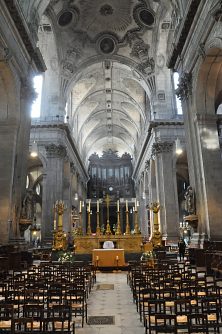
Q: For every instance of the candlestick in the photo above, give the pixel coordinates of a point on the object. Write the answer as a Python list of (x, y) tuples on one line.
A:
[(126, 205), (97, 206), (80, 206), (118, 205)]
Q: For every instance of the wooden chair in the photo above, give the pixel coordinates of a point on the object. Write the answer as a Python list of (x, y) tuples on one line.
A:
[(76, 299), (165, 323), (210, 306), (60, 317), (6, 316), (155, 307), (36, 313), (182, 310), (197, 323), (22, 326)]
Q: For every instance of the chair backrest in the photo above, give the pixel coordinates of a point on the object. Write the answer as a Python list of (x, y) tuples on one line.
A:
[(22, 325), (165, 323), (197, 323)]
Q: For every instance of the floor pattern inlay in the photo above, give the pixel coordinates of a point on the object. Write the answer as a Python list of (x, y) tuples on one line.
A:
[(105, 287), (101, 320)]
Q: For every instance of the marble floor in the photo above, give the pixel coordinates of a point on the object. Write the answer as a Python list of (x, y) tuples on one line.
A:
[(117, 302)]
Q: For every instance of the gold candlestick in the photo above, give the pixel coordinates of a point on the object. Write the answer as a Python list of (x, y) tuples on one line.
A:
[(80, 224), (156, 235), (98, 231), (108, 230), (127, 223), (60, 208), (59, 237), (89, 231), (118, 228), (136, 226)]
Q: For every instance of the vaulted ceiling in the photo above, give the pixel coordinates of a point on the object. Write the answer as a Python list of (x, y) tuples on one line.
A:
[(106, 55)]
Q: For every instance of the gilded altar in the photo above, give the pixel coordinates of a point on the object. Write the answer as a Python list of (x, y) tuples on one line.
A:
[(130, 243)]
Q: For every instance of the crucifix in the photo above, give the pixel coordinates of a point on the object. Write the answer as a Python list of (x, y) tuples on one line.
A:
[(107, 200)]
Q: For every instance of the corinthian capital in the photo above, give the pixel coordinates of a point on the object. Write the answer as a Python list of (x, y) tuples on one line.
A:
[(147, 165), (57, 151), (184, 89), (162, 147)]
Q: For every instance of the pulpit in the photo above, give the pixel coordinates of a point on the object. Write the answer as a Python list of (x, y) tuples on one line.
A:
[(108, 257)]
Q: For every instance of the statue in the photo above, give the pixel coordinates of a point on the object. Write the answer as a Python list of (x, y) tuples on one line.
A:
[(189, 201), (28, 205)]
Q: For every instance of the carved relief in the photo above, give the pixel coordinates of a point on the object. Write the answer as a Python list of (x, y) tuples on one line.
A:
[(5, 54), (53, 150), (147, 165), (68, 68), (106, 10), (162, 147), (140, 50), (184, 89), (72, 168)]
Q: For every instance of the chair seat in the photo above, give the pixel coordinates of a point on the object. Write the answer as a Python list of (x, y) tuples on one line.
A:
[(152, 319), (5, 324), (181, 319), (212, 317)]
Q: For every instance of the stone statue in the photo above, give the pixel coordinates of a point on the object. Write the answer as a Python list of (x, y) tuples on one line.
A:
[(28, 205), (189, 201)]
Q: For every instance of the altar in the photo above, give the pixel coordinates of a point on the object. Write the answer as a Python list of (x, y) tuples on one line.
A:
[(129, 243), (108, 257)]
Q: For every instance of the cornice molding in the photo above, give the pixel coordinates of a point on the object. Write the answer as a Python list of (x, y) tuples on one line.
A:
[(33, 51), (184, 32)]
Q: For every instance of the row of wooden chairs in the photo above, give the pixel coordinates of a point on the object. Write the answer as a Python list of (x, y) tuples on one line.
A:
[(40, 292), (175, 291), (36, 319)]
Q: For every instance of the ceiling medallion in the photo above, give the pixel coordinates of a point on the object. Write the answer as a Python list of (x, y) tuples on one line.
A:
[(144, 16), (67, 16), (107, 44), (106, 10)]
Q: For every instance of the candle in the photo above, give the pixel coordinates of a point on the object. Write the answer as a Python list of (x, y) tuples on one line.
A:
[(126, 205), (117, 257), (89, 206), (135, 204), (118, 205), (97, 206), (80, 206), (54, 224), (97, 258)]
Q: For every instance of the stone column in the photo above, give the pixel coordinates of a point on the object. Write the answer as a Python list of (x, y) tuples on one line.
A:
[(14, 144), (165, 167), (67, 195), (209, 166), (8, 134), (53, 190), (204, 161)]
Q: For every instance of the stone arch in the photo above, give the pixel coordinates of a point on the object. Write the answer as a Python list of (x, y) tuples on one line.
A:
[(209, 80)]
